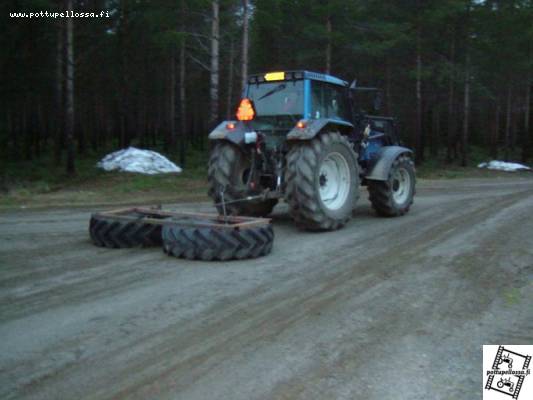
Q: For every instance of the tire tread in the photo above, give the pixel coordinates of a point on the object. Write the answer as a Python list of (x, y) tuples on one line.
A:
[(300, 193), (380, 192), (112, 233), (219, 173), (217, 244)]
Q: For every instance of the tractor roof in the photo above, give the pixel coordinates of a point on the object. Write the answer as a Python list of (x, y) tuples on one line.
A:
[(293, 75)]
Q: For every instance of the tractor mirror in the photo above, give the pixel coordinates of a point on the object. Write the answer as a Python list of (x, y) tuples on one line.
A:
[(351, 89)]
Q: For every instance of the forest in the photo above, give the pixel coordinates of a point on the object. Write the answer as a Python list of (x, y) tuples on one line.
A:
[(159, 74)]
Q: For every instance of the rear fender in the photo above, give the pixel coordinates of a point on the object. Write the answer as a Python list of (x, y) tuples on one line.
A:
[(380, 168), (235, 135), (314, 126)]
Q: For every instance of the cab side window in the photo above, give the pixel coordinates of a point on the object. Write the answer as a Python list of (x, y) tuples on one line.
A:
[(328, 101)]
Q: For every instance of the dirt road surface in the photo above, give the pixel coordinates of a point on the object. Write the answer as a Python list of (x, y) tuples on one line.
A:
[(382, 309)]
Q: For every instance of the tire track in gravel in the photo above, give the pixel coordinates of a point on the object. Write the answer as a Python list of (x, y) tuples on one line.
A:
[(322, 297), (456, 315), (314, 299), (194, 348)]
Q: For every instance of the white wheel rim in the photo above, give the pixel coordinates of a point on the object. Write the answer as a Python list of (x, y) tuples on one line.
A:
[(334, 181), (401, 185)]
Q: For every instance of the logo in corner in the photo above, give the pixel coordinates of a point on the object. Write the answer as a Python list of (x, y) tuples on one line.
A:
[(509, 373)]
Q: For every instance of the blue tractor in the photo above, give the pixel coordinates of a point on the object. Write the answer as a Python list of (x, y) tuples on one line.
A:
[(304, 137)]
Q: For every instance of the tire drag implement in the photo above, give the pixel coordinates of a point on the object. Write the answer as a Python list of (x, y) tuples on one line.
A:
[(193, 236)]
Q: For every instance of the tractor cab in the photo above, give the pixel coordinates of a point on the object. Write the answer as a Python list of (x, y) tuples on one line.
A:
[(285, 100), (303, 94)]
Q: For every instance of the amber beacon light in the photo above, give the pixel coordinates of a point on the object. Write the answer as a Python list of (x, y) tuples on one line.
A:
[(245, 112), (275, 76)]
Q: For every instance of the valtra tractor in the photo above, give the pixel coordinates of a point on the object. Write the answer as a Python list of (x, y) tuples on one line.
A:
[(304, 137)]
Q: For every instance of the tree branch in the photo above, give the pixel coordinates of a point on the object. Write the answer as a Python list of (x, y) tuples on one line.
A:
[(200, 63), (202, 45)]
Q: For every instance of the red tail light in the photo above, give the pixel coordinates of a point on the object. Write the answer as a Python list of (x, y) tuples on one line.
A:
[(246, 111), (301, 124)]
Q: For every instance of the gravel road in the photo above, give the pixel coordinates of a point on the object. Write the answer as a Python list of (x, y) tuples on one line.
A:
[(382, 309)]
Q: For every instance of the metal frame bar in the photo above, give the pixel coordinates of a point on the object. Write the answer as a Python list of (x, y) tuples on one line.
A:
[(183, 218)]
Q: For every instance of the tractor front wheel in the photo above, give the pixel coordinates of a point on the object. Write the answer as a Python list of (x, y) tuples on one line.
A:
[(228, 171), (394, 197), (322, 182)]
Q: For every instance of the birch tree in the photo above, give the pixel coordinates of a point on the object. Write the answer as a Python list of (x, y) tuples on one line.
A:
[(245, 36), (214, 76), (182, 95), (69, 91)]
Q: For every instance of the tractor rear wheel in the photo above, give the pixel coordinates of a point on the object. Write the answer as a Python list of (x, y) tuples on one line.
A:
[(322, 182), (394, 197), (228, 170)]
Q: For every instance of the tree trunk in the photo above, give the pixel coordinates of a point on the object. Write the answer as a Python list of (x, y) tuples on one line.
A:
[(172, 106), (388, 96), (59, 125), (450, 137), (466, 116), (527, 142), (125, 95), (10, 126), (513, 132), (418, 123), (69, 92), (26, 127), (16, 132), (495, 134), (96, 126), (81, 128), (245, 34), (435, 132), (508, 123), (183, 99), (213, 117), (328, 45), (40, 129), (229, 98)]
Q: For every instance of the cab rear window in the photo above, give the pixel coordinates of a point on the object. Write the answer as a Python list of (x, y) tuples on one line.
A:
[(277, 98)]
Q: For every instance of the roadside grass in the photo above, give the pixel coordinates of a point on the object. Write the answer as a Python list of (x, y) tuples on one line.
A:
[(441, 170), (438, 168), (41, 183)]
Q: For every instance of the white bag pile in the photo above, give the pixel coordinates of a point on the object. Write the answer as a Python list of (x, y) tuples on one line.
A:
[(138, 161), (504, 166)]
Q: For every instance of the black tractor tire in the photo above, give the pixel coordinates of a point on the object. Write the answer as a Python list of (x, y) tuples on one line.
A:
[(217, 244), (304, 181), (109, 232), (227, 169), (382, 193)]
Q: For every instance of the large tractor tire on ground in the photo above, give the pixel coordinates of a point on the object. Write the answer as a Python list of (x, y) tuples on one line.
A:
[(209, 244), (322, 182), (107, 231), (394, 197), (228, 170)]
